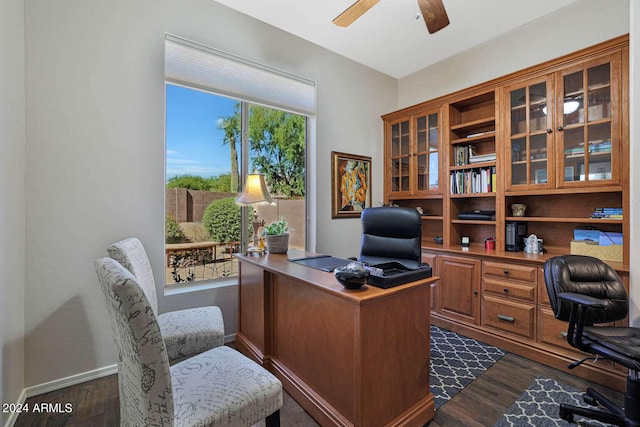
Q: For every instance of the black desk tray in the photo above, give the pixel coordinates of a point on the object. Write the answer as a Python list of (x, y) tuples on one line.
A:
[(395, 274)]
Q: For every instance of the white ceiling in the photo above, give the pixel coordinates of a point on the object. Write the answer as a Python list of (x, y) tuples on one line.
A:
[(391, 37)]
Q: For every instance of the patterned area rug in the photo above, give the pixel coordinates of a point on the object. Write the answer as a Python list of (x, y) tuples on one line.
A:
[(539, 405), (456, 361)]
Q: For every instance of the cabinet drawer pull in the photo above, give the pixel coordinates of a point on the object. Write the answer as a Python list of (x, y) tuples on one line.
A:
[(506, 318), (506, 272), (564, 334), (505, 290)]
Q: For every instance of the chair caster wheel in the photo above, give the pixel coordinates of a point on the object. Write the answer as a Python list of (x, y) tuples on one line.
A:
[(565, 414), (589, 400)]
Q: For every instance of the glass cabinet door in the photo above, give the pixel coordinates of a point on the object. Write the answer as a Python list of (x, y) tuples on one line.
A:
[(586, 130), (530, 135), (400, 157), (426, 154)]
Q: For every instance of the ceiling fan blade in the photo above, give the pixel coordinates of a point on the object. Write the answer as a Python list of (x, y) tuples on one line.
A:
[(434, 14), (354, 12)]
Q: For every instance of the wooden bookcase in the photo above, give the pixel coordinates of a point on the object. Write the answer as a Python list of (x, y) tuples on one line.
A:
[(560, 134)]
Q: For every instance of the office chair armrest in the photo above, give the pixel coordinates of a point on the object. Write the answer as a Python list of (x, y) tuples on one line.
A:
[(580, 305), (581, 299)]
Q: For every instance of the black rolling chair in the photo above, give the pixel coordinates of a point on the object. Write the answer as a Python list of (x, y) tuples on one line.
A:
[(586, 291), (391, 234)]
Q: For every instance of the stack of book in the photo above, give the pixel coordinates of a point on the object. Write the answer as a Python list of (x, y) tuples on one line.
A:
[(607, 213), (491, 157), (466, 154)]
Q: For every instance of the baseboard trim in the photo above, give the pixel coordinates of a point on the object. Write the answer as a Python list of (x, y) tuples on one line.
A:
[(71, 380), (229, 338), (13, 416)]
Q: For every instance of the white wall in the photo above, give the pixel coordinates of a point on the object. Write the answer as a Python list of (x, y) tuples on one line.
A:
[(579, 25), (95, 153), (12, 201)]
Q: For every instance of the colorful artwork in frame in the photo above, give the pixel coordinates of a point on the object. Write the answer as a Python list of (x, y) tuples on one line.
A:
[(350, 185)]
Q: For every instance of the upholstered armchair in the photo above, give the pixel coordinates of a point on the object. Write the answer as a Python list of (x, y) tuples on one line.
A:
[(219, 387), (186, 332)]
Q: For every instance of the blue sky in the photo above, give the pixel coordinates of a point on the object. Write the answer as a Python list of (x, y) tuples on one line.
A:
[(194, 142)]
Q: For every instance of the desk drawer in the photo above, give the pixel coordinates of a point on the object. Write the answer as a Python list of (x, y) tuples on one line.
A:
[(506, 289), (509, 271), (509, 316)]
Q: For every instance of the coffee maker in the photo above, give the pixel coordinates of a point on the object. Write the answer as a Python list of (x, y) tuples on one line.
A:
[(516, 232)]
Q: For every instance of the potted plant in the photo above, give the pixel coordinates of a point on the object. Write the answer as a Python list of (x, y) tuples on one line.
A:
[(277, 237)]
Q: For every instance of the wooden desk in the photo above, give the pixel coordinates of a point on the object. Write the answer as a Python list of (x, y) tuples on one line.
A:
[(349, 357)]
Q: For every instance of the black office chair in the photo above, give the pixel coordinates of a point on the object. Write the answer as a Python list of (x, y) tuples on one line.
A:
[(586, 291), (391, 234)]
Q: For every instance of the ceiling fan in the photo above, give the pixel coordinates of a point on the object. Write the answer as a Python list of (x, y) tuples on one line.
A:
[(433, 12)]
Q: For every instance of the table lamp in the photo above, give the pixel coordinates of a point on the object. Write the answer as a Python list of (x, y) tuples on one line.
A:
[(255, 191)]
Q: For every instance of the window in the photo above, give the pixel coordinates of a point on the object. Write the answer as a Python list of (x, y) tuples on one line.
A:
[(207, 114)]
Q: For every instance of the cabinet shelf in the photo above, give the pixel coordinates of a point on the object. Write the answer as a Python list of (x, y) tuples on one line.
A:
[(591, 88), (524, 162), (474, 124), (591, 154), (473, 166), (431, 217), (486, 136), (563, 220), (472, 221), (469, 195), (531, 104)]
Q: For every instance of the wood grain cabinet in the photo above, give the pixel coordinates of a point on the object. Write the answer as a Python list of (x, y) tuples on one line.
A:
[(412, 155), (587, 124), (509, 298), (459, 288), (554, 137), (529, 125), (562, 129)]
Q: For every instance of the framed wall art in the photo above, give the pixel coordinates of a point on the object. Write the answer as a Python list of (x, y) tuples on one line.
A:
[(350, 185)]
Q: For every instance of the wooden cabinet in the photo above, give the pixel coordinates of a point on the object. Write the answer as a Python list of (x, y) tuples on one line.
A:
[(412, 155), (471, 124), (562, 124), (509, 297), (529, 126), (553, 137), (413, 165), (459, 288), (565, 146), (588, 111), (556, 138)]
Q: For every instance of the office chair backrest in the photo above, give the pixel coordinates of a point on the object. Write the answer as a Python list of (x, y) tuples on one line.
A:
[(391, 234), (144, 378), (589, 276), (131, 255)]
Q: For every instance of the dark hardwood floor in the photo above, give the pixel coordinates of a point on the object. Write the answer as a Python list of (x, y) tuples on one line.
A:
[(482, 403)]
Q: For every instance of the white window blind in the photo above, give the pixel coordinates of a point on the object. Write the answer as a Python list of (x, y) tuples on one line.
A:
[(205, 68)]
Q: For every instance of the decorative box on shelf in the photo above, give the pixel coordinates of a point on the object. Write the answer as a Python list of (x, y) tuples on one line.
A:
[(605, 253)]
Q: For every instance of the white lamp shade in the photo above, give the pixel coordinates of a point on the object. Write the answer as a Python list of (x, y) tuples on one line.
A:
[(255, 191)]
